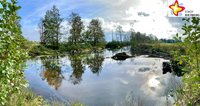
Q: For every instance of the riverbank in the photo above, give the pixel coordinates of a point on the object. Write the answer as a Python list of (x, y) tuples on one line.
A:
[(29, 98), (36, 49), (159, 50)]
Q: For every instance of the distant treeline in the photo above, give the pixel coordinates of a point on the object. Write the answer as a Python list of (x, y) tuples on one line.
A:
[(82, 37), (169, 40)]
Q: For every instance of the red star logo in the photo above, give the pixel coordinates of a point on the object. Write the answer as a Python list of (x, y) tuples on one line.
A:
[(176, 8)]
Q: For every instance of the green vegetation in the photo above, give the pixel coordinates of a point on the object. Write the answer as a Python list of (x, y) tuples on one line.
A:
[(50, 28), (78, 40), (189, 92), (38, 50), (141, 44), (140, 38), (26, 98), (117, 45), (162, 50), (14, 52), (12, 56), (94, 35)]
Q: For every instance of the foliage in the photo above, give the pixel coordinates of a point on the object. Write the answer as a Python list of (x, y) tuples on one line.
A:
[(69, 47), (26, 98), (139, 38), (95, 33), (189, 92), (76, 28), (116, 45), (37, 50), (12, 55), (50, 28), (169, 41)]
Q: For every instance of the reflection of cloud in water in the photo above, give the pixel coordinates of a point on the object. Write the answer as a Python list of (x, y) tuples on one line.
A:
[(153, 82), (136, 81), (123, 81)]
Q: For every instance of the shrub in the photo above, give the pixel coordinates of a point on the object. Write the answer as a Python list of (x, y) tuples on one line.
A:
[(12, 56)]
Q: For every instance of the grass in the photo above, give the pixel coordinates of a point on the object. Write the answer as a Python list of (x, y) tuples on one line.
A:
[(41, 50), (116, 45), (36, 49), (28, 98)]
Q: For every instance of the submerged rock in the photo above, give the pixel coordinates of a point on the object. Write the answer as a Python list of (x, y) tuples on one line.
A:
[(144, 69), (121, 56)]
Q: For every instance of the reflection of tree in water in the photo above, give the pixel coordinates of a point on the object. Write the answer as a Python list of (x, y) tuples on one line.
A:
[(95, 63), (78, 68), (52, 71)]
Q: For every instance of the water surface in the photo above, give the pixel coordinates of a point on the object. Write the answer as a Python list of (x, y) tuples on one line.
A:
[(97, 80)]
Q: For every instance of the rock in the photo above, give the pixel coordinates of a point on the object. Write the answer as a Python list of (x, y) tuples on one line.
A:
[(173, 66), (166, 67), (121, 56)]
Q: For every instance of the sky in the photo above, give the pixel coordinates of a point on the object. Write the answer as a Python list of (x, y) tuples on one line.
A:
[(145, 16)]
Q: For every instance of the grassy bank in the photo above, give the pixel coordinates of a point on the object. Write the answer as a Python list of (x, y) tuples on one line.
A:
[(28, 98), (113, 45), (36, 49), (162, 50)]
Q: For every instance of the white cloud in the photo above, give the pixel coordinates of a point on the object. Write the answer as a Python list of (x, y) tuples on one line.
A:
[(148, 17)]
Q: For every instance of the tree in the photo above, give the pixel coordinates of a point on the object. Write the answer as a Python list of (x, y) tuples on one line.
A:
[(119, 32), (41, 31), (96, 34), (12, 55), (76, 28), (189, 92), (50, 28)]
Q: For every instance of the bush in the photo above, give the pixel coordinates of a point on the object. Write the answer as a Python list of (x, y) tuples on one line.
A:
[(74, 47), (41, 50), (190, 92), (12, 56), (116, 45)]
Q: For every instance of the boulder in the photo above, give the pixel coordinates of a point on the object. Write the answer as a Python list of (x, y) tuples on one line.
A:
[(173, 66), (121, 56)]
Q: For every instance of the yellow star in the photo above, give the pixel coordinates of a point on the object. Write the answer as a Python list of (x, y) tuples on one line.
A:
[(176, 8)]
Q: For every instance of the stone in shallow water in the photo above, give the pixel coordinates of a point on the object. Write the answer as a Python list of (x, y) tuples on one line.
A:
[(121, 56)]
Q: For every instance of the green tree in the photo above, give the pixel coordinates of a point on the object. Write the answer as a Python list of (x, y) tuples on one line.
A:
[(76, 28), (189, 93), (12, 56), (96, 34), (50, 28)]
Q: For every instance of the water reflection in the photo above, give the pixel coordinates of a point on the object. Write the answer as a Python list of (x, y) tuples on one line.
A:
[(78, 68), (95, 62), (97, 80), (52, 71)]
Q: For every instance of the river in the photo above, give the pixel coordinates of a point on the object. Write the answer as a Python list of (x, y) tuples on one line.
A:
[(95, 79)]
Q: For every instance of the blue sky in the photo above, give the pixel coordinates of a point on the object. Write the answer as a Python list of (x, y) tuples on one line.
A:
[(144, 16)]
